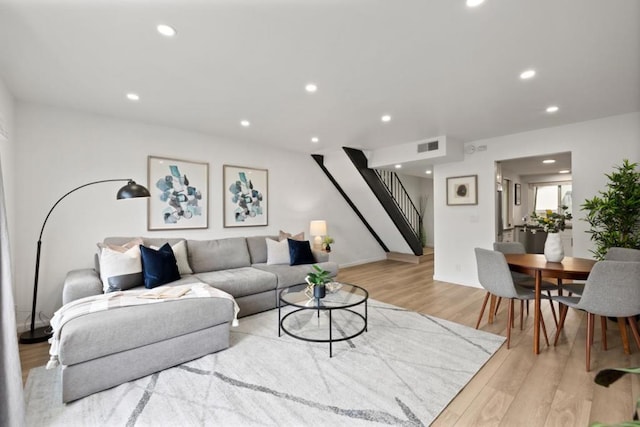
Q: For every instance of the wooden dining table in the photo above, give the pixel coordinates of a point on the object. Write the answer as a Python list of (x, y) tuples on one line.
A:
[(536, 265)]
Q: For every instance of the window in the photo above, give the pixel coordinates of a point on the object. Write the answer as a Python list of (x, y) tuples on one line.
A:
[(552, 196)]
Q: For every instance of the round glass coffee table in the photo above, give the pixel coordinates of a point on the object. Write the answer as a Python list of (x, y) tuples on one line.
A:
[(330, 319)]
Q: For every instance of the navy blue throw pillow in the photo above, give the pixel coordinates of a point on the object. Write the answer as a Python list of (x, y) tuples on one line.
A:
[(300, 252), (158, 267)]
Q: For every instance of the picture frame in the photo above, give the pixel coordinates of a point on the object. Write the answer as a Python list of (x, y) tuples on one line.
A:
[(517, 194), (245, 196), (179, 194), (462, 190)]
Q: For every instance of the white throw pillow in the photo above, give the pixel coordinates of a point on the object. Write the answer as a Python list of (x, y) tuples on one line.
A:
[(180, 252), (277, 252), (120, 271)]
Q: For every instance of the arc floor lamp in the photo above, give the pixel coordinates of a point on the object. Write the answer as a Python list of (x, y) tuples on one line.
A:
[(129, 191)]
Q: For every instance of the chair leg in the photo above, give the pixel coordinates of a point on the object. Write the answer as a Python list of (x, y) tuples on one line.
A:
[(603, 327), (563, 316), (497, 306), (484, 305), (521, 312), (509, 322), (544, 329), (590, 318), (623, 332), (553, 310), (634, 329)]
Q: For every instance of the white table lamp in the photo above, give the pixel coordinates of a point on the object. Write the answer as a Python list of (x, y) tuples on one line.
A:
[(318, 228)]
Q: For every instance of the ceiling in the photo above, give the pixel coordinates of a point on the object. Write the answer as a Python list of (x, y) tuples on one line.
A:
[(436, 67), (531, 166)]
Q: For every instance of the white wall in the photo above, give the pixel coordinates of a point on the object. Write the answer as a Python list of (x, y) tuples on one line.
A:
[(7, 156), (60, 149), (596, 147)]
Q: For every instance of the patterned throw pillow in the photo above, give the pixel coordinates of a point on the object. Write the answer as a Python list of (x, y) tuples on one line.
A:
[(120, 268)]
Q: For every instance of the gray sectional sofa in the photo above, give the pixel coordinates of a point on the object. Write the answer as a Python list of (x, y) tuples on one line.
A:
[(101, 350)]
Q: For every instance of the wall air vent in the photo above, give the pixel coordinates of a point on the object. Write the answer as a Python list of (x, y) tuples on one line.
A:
[(428, 146)]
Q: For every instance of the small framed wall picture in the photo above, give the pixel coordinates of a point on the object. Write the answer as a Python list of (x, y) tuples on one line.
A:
[(462, 190), (246, 196), (179, 194), (517, 190)]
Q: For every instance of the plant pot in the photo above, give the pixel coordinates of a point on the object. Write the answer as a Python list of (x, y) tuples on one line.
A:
[(327, 248), (319, 291), (553, 250)]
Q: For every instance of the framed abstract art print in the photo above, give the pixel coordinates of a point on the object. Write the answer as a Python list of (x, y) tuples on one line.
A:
[(246, 196), (179, 194)]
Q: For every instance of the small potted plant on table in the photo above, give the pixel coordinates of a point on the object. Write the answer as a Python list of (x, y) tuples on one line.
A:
[(317, 280)]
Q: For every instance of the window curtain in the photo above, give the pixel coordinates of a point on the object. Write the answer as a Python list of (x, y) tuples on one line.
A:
[(11, 393)]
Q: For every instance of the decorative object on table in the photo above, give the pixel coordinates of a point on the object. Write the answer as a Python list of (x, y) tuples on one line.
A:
[(245, 196), (316, 281), (517, 194), (553, 249), (326, 243), (605, 378), (179, 194), (553, 223), (333, 287), (318, 229), (129, 191), (462, 190), (614, 215)]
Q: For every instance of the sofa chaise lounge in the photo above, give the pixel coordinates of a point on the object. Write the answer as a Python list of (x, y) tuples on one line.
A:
[(104, 349)]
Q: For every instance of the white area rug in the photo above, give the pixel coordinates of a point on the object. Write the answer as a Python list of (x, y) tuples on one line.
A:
[(403, 371)]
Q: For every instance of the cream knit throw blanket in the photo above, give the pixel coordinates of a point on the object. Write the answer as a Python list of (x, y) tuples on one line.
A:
[(130, 298)]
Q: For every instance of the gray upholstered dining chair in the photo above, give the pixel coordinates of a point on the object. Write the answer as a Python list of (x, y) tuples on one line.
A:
[(613, 254), (494, 276), (612, 290), (525, 280)]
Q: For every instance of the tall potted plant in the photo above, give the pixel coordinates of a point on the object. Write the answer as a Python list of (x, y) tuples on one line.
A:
[(614, 215)]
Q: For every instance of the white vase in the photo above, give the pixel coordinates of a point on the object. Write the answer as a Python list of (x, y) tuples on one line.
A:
[(553, 250)]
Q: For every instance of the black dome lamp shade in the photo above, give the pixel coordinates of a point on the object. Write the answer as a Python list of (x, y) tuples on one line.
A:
[(129, 191), (132, 190)]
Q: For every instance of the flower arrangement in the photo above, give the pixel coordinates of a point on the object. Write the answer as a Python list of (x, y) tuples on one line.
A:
[(552, 222)]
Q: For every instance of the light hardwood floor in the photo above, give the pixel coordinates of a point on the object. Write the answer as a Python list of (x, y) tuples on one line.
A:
[(515, 388)]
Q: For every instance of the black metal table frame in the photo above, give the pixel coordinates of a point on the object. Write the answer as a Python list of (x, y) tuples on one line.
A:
[(318, 308)]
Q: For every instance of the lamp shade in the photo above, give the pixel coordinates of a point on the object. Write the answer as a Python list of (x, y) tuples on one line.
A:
[(318, 228), (132, 190)]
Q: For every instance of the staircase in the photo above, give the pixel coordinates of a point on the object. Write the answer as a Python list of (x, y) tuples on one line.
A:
[(391, 196)]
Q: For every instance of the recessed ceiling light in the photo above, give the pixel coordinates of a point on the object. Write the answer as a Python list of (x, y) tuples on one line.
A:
[(552, 109), (527, 74), (311, 87), (315, 139), (133, 97), (474, 3), (398, 166), (548, 161), (385, 118), (245, 123), (428, 172), (166, 30), (564, 171)]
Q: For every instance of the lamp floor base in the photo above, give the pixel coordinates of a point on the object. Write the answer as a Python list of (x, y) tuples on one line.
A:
[(37, 335)]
